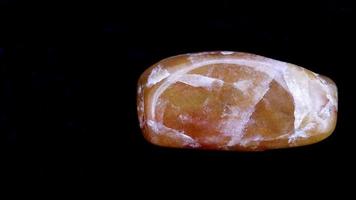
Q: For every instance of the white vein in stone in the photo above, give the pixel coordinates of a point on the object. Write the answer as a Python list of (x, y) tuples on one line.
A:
[(157, 75), (197, 80), (160, 128)]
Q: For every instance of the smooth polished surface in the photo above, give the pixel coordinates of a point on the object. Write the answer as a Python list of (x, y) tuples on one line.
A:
[(234, 101)]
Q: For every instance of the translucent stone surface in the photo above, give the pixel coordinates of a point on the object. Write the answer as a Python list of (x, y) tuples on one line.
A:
[(234, 101)]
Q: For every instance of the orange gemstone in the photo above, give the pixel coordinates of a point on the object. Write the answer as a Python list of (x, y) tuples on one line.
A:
[(234, 101)]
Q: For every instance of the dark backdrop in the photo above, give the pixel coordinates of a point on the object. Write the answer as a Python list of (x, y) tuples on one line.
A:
[(68, 85)]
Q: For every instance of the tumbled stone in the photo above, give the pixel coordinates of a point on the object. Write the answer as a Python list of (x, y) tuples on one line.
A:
[(234, 101)]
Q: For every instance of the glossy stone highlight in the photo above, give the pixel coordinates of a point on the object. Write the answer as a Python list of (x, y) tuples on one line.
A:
[(234, 101)]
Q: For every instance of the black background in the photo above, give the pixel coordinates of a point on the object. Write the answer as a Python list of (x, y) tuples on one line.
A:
[(69, 73)]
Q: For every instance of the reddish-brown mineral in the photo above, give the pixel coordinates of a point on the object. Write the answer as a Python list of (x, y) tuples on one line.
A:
[(234, 101)]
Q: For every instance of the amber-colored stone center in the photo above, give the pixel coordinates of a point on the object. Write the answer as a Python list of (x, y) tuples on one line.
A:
[(225, 104)]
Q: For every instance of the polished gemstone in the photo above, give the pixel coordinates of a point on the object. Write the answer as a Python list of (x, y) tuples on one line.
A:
[(234, 101)]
